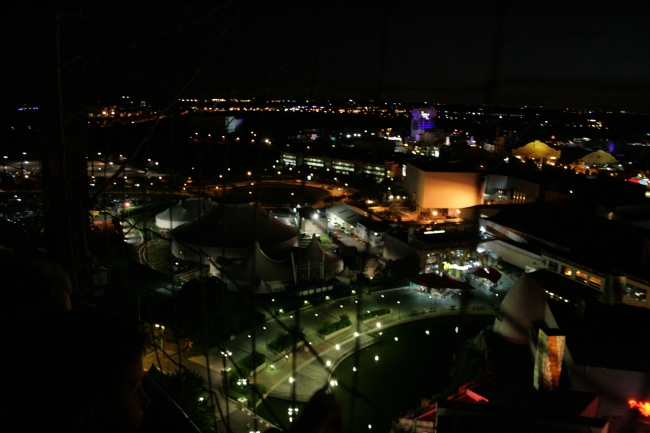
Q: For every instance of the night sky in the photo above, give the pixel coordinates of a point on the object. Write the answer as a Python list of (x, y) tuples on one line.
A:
[(580, 54)]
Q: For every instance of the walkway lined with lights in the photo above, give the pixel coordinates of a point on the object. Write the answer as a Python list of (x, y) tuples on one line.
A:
[(312, 373)]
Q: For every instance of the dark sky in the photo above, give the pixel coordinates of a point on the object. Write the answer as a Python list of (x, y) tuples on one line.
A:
[(570, 53)]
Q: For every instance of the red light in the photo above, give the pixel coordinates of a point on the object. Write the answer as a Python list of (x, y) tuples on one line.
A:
[(644, 407)]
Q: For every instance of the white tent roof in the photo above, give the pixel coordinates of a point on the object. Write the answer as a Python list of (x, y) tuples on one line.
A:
[(182, 212), (599, 157)]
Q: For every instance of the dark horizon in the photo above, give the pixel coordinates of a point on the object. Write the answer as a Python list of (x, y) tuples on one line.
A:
[(560, 54)]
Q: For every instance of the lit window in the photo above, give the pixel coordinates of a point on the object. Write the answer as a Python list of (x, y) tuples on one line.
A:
[(595, 282), (567, 271), (636, 293), (581, 276)]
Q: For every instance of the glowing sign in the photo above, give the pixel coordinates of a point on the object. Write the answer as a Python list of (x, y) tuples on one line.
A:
[(644, 407)]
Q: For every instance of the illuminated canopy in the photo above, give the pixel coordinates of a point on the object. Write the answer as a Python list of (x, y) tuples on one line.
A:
[(444, 281), (486, 272)]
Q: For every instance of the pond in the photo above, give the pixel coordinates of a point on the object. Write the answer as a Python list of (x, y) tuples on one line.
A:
[(409, 362)]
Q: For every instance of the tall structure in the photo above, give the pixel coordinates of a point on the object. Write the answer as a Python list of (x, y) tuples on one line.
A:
[(422, 121), (548, 359)]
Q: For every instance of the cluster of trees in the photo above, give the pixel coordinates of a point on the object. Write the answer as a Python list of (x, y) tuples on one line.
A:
[(236, 384), (205, 312), (408, 267), (284, 340), (190, 391)]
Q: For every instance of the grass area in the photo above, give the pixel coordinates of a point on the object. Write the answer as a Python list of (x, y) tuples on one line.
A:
[(158, 252), (323, 240)]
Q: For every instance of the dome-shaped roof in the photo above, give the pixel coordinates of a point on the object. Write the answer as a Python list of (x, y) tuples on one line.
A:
[(232, 229), (182, 212), (599, 157), (536, 150), (524, 304)]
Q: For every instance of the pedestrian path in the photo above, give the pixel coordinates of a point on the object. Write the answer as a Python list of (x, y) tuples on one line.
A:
[(300, 374)]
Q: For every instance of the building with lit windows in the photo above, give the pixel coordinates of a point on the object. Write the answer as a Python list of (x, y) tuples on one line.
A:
[(609, 256), (595, 351), (448, 247), (511, 190), (422, 121), (289, 159), (316, 162), (342, 166), (345, 217), (595, 161), (378, 171), (372, 232)]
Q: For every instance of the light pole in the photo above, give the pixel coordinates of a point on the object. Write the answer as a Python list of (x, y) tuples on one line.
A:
[(337, 351), (162, 335), (266, 338)]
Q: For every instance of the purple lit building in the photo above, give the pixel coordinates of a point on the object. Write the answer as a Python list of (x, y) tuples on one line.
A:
[(422, 121)]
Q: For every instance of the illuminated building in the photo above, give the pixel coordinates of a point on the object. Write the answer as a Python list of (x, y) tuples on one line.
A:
[(434, 186), (314, 162), (447, 247), (343, 166), (537, 151), (595, 161), (346, 217), (213, 124), (372, 232), (607, 256), (230, 230), (289, 159), (267, 275), (577, 342), (502, 189), (422, 120)]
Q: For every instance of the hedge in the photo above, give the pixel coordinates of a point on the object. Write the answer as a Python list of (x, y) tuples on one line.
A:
[(374, 313)]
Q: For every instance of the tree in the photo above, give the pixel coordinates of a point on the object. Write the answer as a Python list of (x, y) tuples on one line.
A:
[(407, 267), (226, 313), (190, 391)]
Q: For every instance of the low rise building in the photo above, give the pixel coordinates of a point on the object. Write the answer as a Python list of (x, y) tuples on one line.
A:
[(372, 232), (346, 217)]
